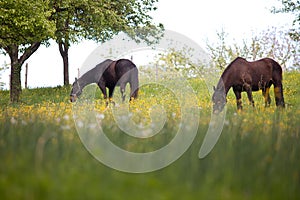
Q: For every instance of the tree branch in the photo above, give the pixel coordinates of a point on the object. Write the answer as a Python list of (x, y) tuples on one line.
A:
[(29, 51)]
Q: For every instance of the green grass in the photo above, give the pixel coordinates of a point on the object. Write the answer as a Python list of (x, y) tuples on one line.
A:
[(256, 157)]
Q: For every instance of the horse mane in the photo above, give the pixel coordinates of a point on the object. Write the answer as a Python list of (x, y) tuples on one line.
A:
[(92, 75), (220, 84), (238, 59)]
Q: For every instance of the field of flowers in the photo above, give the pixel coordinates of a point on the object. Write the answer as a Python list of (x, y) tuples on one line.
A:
[(256, 157)]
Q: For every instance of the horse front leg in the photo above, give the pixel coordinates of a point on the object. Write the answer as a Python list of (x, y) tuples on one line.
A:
[(238, 99), (249, 94), (250, 97), (103, 90)]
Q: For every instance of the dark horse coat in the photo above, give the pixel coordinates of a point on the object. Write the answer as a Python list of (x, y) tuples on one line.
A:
[(241, 75), (109, 74)]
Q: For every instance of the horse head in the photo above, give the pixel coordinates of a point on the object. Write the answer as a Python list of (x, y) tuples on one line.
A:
[(76, 91), (219, 99)]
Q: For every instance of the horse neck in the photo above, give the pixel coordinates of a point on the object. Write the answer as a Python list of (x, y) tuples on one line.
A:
[(87, 78), (92, 76), (224, 83)]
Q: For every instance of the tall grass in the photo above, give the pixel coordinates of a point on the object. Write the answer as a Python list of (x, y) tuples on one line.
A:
[(256, 157)]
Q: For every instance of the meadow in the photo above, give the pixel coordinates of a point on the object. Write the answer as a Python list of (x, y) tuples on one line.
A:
[(256, 156)]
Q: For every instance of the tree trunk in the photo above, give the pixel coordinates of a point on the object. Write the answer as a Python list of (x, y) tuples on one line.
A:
[(15, 73), (16, 66), (64, 52), (15, 81)]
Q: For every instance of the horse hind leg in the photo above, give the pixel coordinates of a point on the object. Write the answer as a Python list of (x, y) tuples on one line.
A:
[(134, 85), (110, 95), (133, 91), (278, 90), (122, 90)]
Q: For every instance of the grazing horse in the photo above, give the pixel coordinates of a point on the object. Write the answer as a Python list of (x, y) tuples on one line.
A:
[(109, 74), (242, 75)]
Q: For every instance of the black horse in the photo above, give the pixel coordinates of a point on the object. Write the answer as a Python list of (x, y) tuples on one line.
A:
[(242, 75), (109, 74)]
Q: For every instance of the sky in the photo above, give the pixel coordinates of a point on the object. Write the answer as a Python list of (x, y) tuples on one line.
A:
[(198, 20)]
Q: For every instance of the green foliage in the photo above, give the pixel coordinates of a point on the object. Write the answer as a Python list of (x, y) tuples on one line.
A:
[(188, 61), (291, 6), (178, 60), (100, 20), (256, 156), (24, 22)]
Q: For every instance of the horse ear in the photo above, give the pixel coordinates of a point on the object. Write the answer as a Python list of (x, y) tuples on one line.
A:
[(75, 79)]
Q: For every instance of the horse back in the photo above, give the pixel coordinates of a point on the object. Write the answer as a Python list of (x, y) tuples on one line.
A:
[(265, 67), (269, 68), (257, 73), (122, 70), (125, 69)]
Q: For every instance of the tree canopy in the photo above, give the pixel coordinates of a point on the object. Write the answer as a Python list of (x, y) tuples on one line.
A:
[(24, 22)]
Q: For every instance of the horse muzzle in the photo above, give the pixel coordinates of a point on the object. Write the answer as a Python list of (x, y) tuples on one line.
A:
[(217, 108), (73, 98)]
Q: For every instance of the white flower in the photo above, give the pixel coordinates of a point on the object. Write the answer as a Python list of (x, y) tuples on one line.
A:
[(92, 126), (13, 120), (79, 124), (66, 127), (24, 123), (173, 115), (100, 116), (66, 117)]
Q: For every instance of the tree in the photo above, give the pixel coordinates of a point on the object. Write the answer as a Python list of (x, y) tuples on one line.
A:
[(24, 25), (177, 60), (220, 52), (183, 61), (99, 20), (291, 6), (273, 42)]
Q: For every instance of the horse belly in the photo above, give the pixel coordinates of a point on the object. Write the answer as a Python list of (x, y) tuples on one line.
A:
[(255, 88)]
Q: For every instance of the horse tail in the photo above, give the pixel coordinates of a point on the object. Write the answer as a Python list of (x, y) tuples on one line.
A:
[(276, 71), (277, 81), (134, 83)]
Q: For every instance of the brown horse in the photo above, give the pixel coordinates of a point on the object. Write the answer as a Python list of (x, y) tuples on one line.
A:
[(109, 74), (242, 75)]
